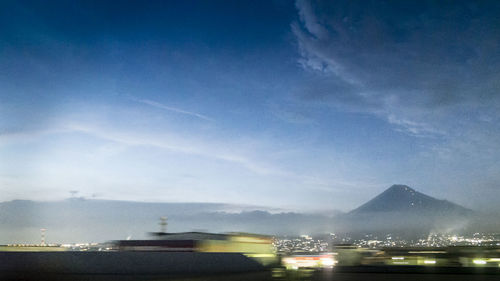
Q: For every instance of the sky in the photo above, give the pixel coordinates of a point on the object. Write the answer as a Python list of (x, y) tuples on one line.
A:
[(303, 106)]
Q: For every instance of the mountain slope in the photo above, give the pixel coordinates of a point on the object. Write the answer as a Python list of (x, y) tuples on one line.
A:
[(402, 198), (401, 209)]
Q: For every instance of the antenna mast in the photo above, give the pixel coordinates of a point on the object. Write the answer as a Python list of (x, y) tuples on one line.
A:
[(42, 233), (163, 224)]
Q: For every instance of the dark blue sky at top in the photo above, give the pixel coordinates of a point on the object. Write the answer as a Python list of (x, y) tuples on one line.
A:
[(142, 46), (277, 103)]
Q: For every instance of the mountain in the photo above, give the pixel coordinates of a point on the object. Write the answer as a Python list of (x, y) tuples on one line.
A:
[(402, 198), (401, 209)]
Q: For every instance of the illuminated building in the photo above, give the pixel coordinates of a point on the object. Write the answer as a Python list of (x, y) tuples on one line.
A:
[(255, 246)]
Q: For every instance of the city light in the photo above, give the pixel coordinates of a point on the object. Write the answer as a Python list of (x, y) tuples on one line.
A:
[(327, 261), (479, 262)]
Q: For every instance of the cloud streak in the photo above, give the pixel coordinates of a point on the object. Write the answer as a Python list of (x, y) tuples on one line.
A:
[(174, 109), (177, 144)]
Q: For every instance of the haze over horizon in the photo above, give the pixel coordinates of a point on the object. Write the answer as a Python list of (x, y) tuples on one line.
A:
[(295, 105), (399, 210)]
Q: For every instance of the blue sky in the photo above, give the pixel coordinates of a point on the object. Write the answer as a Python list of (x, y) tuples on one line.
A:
[(295, 105)]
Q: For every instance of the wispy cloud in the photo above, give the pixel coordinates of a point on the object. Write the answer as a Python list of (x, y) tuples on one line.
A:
[(178, 144), (174, 109), (234, 153), (414, 128), (411, 68)]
